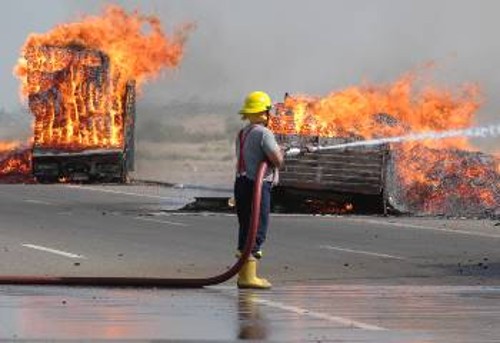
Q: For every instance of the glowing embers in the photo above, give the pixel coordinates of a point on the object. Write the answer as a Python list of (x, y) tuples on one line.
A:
[(449, 182), (15, 163), (317, 206), (75, 101)]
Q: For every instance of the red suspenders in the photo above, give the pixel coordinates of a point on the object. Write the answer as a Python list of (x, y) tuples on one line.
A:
[(242, 168)]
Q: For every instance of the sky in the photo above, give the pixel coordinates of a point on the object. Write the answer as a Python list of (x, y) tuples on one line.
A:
[(296, 46)]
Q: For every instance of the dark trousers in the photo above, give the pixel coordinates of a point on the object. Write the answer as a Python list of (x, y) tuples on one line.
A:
[(243, 193)]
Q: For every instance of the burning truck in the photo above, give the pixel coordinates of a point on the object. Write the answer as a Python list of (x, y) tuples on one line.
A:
[(331, 180), (433, 177), (80, 81), (84, 125)]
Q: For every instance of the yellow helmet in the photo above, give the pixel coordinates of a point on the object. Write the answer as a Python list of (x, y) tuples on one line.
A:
[(256, 102)]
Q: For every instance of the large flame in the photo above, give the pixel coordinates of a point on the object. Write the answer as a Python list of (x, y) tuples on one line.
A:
[(361, 111), (76, 75), (433, 171)]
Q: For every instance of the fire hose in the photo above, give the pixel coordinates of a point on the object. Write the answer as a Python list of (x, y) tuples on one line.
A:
[(158, 282)]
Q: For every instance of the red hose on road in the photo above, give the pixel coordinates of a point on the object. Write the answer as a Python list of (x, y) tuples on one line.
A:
[(158, 282)]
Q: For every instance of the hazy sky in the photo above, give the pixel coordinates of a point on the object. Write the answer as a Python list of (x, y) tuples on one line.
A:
[(309, 46)]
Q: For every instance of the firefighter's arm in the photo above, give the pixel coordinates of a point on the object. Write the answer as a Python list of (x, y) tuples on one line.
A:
[(271, 149), (276, 158)]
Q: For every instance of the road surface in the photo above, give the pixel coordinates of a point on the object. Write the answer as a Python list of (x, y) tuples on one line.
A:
[(336, 278)]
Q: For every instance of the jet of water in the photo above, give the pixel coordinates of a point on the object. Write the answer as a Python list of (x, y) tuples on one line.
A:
[(478, 132)]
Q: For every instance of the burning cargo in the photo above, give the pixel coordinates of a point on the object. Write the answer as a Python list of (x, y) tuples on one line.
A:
[(80, 80), (339, 177), (428, 176), (84, 118)]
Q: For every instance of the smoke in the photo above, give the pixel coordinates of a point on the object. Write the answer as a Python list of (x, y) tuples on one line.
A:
[(310, 47), (15, 125)]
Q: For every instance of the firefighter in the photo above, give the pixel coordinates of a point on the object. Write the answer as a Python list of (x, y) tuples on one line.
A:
[(254, 143)]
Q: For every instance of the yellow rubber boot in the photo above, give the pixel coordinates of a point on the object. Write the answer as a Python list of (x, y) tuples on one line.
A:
[(247, 278)]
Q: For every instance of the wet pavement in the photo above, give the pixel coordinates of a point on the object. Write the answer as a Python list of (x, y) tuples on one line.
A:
[(336, 278), (292, 313)]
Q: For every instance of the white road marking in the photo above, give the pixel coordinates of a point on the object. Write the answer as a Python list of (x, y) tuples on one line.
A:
[(34, 201), (53, 251), (161, 221), (229, 290), (421, 227), (319, 315), (330, 247)]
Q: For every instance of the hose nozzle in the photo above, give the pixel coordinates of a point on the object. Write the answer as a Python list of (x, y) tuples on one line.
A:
[(293, 152)]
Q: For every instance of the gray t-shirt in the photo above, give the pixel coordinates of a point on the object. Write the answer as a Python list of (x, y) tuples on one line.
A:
[(259, 143)]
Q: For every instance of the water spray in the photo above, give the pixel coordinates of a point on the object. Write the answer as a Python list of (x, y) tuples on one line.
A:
[(476, 132)]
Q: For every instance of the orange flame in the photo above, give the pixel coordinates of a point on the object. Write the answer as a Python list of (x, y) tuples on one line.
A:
[(7, 146), (15, 161), (76, 75), (355, 111), (396, 109)]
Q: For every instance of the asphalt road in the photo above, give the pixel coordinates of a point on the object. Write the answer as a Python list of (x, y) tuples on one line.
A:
[(337, 278)]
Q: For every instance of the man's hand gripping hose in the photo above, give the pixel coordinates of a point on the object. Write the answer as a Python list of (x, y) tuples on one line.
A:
[(157, 282)]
